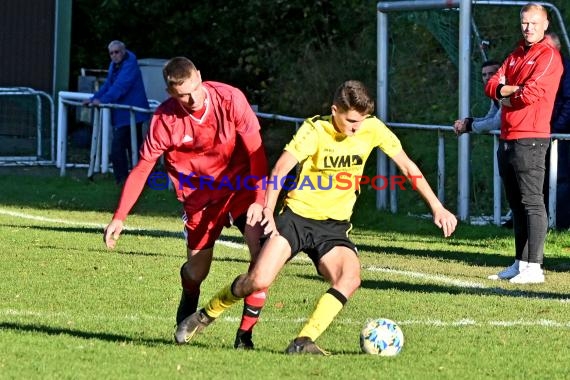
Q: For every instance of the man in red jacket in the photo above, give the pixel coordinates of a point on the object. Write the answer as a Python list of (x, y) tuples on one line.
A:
[(213, 153), (526, 85)]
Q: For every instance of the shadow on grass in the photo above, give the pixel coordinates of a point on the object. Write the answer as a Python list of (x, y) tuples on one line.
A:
[(475, 289), (99, 231), (126, 232), (43, 188), (554, 264), (386, 222), (107, 337), (488, 291), (147, 233), (114, 338)]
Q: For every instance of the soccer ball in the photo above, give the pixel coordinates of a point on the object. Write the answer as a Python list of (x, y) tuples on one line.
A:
[(381, 337)]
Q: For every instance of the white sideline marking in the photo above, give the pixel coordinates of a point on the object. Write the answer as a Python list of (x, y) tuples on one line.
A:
[(545, 296), (230, 244), (423, 322), (49, 220), (470, 322), (436, 278)]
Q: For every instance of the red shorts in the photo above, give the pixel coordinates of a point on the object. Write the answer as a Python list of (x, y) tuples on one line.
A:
[(203, 227)]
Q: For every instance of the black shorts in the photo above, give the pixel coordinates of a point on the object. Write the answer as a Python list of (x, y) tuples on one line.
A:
[(314, 237)]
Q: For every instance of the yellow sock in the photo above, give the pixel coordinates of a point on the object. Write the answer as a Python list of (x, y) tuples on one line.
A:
[(220, 302), (326, 310)]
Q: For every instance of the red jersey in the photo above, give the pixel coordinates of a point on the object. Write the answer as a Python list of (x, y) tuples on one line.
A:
[(538, 70), (207, 158)]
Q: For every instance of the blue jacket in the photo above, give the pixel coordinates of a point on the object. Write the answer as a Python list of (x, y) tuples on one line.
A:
[(491, 121), (124, 85)]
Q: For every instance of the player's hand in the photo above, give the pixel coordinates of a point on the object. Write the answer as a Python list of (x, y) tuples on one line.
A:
[(445, 220), (112, 232), (268, 223), (254, 214)]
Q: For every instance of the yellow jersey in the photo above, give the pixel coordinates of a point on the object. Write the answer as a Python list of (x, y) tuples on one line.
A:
[(332, 165)]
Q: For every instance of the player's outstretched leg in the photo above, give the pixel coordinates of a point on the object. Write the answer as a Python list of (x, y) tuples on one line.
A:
[(191, 326)]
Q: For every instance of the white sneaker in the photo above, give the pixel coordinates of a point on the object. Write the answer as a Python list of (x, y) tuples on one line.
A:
[(507, 273), (529, 275)]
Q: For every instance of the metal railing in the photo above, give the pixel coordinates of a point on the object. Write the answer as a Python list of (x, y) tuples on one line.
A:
[(38, 95), (99, 155), (100, 150), (270, 116), (497, 187)]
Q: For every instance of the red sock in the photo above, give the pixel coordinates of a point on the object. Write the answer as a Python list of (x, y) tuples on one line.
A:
[(252, 306)]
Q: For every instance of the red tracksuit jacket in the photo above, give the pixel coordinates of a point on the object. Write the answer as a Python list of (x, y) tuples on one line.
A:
[(538, 69)]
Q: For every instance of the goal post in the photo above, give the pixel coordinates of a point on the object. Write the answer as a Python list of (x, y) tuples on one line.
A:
[(464, 72), (26, 126)]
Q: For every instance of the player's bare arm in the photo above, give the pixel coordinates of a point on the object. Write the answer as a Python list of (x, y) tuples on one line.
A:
[(283, 166), (441, 216)]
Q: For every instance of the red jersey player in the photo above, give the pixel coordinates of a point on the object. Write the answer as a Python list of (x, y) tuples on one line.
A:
[(213, 153)]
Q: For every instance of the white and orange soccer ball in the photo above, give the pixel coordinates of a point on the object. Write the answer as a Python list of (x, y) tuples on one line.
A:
[(381, 337)]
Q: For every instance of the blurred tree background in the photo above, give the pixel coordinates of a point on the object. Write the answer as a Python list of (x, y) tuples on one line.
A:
[(288, 56)]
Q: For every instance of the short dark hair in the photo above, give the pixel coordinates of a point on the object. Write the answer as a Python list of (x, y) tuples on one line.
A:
[(490, 63), (353, 94), (177, 70)]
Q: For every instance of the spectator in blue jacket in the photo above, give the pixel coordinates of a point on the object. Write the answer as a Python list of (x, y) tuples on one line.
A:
[(124, 85)]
